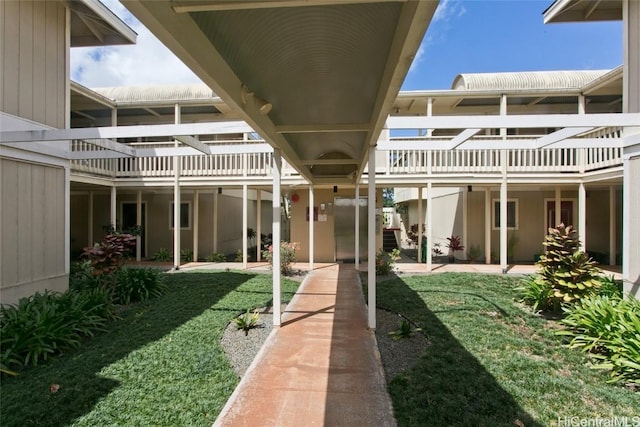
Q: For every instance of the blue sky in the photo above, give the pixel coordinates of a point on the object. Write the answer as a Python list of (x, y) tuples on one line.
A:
[(469, 36)]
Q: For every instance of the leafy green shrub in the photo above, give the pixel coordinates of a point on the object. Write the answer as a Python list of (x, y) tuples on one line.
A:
[(82, 277), (247, 321), (287, 256), (109, 255), (538, 293), (386, 261), (609, 329), (46, 324), (239, 256), (186, 255), (137, 284), (571, 273), (216, 257), (610, 287), (162, 255)]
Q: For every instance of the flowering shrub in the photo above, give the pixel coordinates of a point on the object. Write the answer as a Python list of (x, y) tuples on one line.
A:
[(287, 256)]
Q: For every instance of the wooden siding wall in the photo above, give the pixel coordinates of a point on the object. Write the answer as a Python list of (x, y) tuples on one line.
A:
[(33, 60), (32, 228)]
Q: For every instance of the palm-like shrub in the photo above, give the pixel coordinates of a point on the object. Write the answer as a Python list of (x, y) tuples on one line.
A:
[(570, 273)]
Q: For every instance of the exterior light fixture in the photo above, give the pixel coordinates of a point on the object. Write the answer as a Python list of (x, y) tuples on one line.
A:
[(248, 96)]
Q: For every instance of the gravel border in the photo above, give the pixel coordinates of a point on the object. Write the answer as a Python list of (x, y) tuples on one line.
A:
[(396, 355)]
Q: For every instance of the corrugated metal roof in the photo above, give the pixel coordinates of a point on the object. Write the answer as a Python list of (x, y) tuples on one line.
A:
[(158, 93), (526, 80)]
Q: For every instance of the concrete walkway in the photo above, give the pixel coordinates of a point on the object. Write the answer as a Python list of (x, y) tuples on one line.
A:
[(321, 367)]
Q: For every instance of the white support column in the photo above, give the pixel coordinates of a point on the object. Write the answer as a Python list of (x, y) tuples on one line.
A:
[(420, 217), (582, 104), (558, 208), (258, 225), (196, 224), (215, 221), (371, 237), (90, 241), (465, 202), (67, 220), (277, 170), (245, 224), (176, 199), (112, 216), (631, 154), (488, 206), (311, 227), (503, 226), (139, 224), (582, 217), (357, 235), (429, 113), (612, 225), (429, 226)]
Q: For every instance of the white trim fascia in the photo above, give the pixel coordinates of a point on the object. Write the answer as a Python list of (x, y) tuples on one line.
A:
[(515, 121), (137, 131), (497, 144), (554, 10), (93, 180)]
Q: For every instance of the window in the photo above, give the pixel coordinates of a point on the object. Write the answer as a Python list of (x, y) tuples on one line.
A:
[(512, 214), (185, 215)]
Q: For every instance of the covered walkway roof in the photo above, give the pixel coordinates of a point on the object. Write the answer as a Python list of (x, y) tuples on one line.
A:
[(314, 79)]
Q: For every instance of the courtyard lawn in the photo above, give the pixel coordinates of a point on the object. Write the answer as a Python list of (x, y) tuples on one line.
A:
[(491, 362), (161, 364)]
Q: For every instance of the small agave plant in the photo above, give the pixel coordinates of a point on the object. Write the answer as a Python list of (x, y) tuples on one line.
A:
[(247, 321), (405, 330)]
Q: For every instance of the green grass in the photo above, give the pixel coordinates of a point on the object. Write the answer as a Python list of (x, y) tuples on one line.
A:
[(491, 361), (161, 364)]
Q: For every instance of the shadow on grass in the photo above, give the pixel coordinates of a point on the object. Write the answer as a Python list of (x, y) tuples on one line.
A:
[(27, 399), (448, 386)]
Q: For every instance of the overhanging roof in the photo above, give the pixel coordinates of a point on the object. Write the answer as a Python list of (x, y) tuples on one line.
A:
[(315, 79), (583, 10), (93, 24)]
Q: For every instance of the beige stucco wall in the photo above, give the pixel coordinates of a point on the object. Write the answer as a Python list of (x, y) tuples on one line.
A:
[(323, 231), (32, 228), (159, 232), (33, 60)]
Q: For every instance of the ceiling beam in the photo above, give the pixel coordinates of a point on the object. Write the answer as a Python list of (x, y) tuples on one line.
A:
[(560, 135), (193, 142), (462, 137), (347, 127)]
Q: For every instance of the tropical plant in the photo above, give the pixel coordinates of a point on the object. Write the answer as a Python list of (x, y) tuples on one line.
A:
[(108, 255), (385, 261), (239, 257), (436, 249), (454, 244), (610, 287), (538, 293), (287, 256), (216, 257), (46, 324), (570, 273), (186, 255), (512, 242), (162, 255), (137, 285), (405, 330), (608, 328), (247, 321)]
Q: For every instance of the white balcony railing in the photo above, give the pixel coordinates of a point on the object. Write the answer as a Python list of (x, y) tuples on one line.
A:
[(399, 162)]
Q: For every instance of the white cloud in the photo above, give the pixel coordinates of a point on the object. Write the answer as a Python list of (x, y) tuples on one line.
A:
[(147, 62), (445, 12)]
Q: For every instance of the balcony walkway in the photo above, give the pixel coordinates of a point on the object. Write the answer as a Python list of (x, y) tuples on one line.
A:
[(321, 367)]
